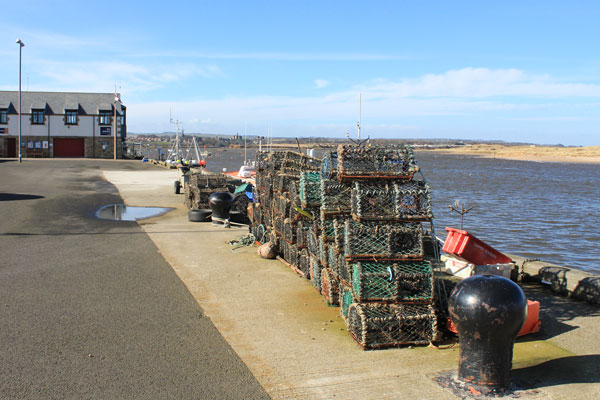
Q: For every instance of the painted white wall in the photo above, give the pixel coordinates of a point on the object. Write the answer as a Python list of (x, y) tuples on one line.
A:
[(87, 126)]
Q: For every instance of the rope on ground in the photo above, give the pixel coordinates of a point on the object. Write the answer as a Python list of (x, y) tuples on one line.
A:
[(243, 241)]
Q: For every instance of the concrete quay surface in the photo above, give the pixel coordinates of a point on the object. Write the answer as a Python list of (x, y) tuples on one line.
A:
[(298, 348)]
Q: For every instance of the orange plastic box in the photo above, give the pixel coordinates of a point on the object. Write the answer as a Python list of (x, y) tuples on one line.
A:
[(532, 323), (464, 245)]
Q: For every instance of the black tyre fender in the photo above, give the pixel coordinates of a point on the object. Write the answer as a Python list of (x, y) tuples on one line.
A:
[(177, 187), (201, 215)]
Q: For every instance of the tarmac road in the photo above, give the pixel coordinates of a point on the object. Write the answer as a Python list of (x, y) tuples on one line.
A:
[(89, 309)]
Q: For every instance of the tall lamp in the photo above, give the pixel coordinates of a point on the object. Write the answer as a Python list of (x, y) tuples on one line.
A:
[(21, 45)]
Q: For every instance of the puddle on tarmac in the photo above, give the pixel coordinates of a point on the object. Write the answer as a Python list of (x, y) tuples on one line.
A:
[(121, 212)]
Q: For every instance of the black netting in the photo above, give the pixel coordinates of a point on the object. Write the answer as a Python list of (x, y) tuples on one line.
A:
[(377, 325), (377, 241), (345, 269), (332, 260), (278, 224), (404, 281), (289, 231), (323, 255), (335, 196), (290, 253), (366, 162), (302, 230), (389, 200), (313, 243)]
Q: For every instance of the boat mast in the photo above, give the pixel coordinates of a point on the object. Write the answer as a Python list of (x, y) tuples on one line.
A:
[(359, 114)]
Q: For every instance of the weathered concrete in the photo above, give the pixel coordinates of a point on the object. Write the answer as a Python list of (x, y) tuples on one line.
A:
[(297, 347)]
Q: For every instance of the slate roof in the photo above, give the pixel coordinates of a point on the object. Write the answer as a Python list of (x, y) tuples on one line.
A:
[(58, 102)]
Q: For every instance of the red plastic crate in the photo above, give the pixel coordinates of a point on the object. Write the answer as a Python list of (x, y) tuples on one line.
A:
[(464, 245)]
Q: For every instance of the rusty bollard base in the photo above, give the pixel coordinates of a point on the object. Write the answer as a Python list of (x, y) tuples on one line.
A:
[(465, 390)]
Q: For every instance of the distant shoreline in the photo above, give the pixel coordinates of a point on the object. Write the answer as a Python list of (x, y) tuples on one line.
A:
[(584, 155)]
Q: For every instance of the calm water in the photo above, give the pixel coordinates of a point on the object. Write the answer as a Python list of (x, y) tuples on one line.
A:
[(549, 211), (121, 212)]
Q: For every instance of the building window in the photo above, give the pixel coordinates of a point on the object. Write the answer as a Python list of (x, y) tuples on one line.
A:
[(3, 116), (37, 117), (104, 118), (70, 117)]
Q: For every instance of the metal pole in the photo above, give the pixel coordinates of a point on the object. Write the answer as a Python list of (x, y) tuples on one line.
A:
[(21, 44), (115, 127)]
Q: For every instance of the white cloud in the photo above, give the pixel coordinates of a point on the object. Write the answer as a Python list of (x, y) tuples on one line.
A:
[(321, 83)]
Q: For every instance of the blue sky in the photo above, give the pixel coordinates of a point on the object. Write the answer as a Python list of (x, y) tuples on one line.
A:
[(514, 71)]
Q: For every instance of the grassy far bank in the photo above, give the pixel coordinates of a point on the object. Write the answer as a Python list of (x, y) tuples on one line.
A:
[(589, 154)]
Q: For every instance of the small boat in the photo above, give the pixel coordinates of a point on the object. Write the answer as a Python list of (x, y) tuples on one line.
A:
[(246, 173)]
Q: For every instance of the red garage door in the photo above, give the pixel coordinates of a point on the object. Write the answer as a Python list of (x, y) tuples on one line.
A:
[(69, 147)]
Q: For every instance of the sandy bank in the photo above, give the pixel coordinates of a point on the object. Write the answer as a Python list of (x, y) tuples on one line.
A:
[(589, 154)]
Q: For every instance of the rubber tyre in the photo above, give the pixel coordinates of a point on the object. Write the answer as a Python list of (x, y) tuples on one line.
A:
[(238, 217), (177, 187), (202, 215)]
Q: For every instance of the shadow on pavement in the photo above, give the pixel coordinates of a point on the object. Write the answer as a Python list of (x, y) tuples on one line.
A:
[(18, 196), (560, 371)]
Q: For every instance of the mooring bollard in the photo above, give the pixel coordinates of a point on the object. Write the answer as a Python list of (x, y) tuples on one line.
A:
[(220, 203), (488, 312)]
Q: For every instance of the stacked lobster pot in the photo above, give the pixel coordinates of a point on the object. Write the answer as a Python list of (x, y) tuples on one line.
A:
[(279, 215), (386, 285), (351, 223)]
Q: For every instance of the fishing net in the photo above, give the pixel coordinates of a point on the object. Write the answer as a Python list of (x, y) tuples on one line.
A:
[(330, 287), (327, 230), (408, 281), (290, 253), (377, 325), (310, 191), (335, 196), (315, 272), (267, 218), (371, 240), (208, 180), (329, 165), (264, 181), (282, 205), (332, 260), (368, 162), (323, 255), (389, 200), (282, 182), (344, 270), (278, 225)]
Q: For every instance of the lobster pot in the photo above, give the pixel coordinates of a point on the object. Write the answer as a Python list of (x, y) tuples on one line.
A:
[(275, 161), (396, 162), (294, 193), (267, 218), (376, 241), (344, 270), (278, 224), (264, 181), (315, 272), (289, 231), (261, 160), (335, 196), (290, 253), (256, 213), (346, 298), (258, 232), (327, 227), (329, 165), (339, 233), (377, 325), (330, 287), (310, 189), (387, 200), (304, 262), (313, 243), (323, 256), (332, 260), (404, 281), (302, 230), (208, 181), (281, 205), (282, 182)]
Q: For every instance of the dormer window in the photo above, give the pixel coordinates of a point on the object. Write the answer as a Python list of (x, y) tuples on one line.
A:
[(71, 117), (104, 117), (4, 116), (37, 117)]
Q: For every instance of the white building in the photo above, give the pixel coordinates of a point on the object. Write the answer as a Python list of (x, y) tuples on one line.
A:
[(55, 124)]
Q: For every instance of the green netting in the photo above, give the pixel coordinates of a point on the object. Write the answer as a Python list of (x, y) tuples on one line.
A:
[(371, 240), (332, 260), (329, 165), (310, 189), (335, 196), (327, 230), (392, 281), (313, 243), (346, 299), (377, 325)]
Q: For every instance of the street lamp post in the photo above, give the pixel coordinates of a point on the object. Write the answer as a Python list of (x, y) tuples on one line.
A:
[(21, 45)]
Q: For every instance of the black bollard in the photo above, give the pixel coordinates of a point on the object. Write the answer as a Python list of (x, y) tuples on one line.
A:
[(220, 203), (488, 312)]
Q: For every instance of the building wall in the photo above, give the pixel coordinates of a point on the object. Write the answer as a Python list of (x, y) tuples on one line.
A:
[(88, 127)]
